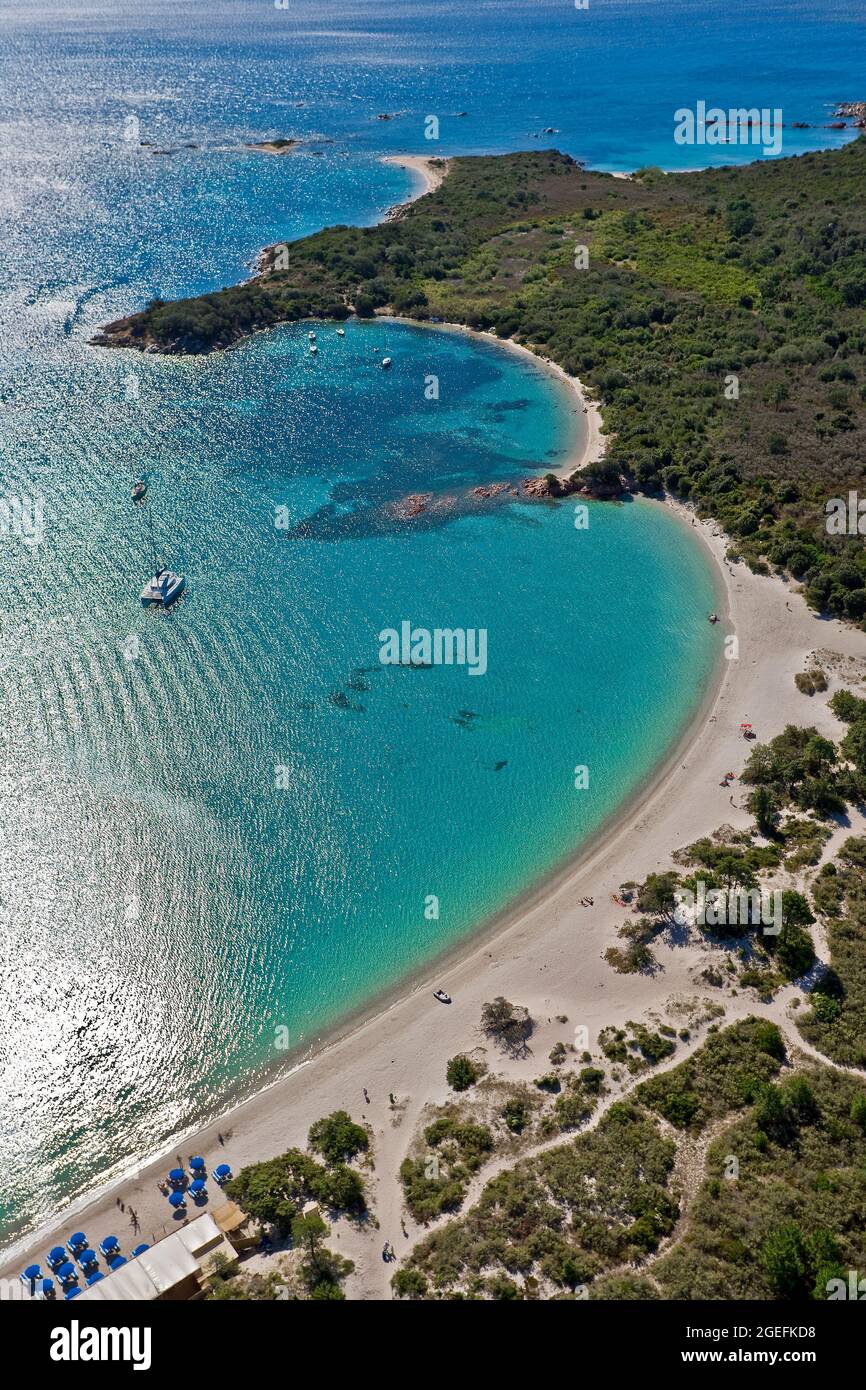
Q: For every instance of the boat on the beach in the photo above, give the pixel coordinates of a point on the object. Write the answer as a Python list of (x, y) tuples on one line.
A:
[(163, 588)]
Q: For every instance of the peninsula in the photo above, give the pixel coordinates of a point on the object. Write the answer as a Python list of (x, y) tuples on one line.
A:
[(717, 316)]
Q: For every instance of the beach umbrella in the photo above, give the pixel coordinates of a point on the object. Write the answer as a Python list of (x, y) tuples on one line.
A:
[(56, 1256), (73, 1293), (117, 1262), (198, 1185), (110, 1243), (66, 1271), (32, 1272), (176, 1175), (176, 1199), (87, 1257), (139, 1250), (95, 1277), (223, 1170), (79, 1239), (196, 1164), (47, 1288)]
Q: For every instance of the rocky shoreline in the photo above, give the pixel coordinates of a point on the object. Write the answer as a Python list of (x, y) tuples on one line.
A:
[(853, 111)]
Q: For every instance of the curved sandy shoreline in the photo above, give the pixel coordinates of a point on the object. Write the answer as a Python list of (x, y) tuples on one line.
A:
[(593, 439), (428, 170), (544, 950)]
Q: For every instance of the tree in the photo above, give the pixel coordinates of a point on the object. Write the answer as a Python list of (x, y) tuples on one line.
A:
[(509, 1024), (323, 1273), (308, 1232), (461, 1073), (337, 1138), (340, 1188), (409, 1283), (515, 1113), (271, 1192), (785, 1259), (656, 895), (764, 806), (776, 394), (799, 1100), (854, 745)]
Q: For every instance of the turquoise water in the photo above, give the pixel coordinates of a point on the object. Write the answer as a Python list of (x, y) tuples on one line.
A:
[(165, 906), (169, 906)]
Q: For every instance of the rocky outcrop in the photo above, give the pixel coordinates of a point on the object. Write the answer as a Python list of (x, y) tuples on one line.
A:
[(494, 490), (538, 488), (281, 146)]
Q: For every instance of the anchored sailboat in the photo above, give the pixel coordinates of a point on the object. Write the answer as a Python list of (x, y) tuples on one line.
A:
[(166, 585)]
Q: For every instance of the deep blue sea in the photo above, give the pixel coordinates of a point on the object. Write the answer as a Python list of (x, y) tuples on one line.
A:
[(227, 820)]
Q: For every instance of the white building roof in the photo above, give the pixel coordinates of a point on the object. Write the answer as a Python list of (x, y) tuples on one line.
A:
[(161, 1267)]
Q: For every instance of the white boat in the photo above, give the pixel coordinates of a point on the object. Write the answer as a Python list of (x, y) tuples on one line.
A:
[(313, 348), (341, 332), (386, 362), (312, 337), (163, 589)]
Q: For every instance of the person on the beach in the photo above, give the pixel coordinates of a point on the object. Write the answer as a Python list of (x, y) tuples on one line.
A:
[(366, 1097)]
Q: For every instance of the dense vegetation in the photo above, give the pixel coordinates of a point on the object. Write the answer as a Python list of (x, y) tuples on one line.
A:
[(792, 1215), (836, 1020), (720, 321), (778, 1212), (562, 1216)]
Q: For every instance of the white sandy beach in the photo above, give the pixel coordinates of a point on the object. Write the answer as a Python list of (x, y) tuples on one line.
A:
[(428, 172), (545, 952)]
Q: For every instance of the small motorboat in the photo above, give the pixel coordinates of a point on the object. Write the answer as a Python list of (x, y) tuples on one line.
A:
[(312, 337), (163, 589), (139, 490), (442, 996), (341, 332), (313, 349), (386, 362), (713, 618)]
